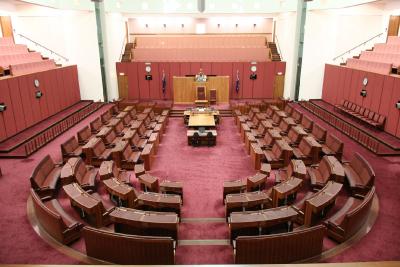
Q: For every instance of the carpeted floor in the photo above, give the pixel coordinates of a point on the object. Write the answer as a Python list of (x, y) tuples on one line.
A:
[(202, 170)]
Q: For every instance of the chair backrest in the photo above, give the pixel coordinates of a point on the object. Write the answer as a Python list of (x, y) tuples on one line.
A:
[(39, 174), (288, 109), (84, 134), (213, 95), (106, 116), (361, 166), (201, 93), (127, 151), (280, 248), (305, 147), (319, 132), (110, 137), (334, 143), (96, 125), (325, 169), (119, 127), (306, 122), (297, 115), (49, 220), (128, 249), (69, 146), (79, 170), (99, 148)]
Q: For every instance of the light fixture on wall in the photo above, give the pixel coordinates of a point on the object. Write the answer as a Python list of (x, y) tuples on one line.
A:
[(397, 104), (121, 74), (38, 94), (363, 92), (3, 107)]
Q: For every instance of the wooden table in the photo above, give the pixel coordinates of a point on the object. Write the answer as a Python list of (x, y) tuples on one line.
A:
[(201, 120), (256, 182), (171, 187), (149, 183), (88, 205), (125, 194), (160, 202), (148, 223), (232, 187), (320, 201), (258, 222), (282, 192), (243, 201)]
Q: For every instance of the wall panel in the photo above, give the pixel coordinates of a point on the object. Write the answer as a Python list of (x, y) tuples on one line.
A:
[(133, 84), (195, 68), (49, 91), (43, 101), (216, 68), (393, 116), (258, 84), (17, 104), (386, 97), (269, 79), (347, 83), (168, 87), (155, 84), (26, 101), (7, 120), (35, 102), (185, 68), (144, 85), (247, 89), (207, 69), (55, 90), (60, 89)]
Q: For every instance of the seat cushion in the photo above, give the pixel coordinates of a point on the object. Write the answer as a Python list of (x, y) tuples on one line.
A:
[(353, 177), (52, 178), (55, 206), (89, 178)]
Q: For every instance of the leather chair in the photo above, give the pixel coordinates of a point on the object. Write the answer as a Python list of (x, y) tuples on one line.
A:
[(138, 142), (288, 110), (195, 139), (318, 133), (279, 155), (44, 178), (124, 157), (333, 147), (350, 218), (111, 139), (99, 153), (84, 175), (295, 168), (84, 135), (320, 174), (297, 115), (360, 175), (308, 151), (269, 139), (294, 136), (55, 221), (306, 123), (96, 125), (71, 149), (210, 139), (109, 169), (106, 117)]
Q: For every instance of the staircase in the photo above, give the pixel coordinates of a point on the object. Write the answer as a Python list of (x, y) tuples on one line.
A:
[(127, 56), (274, 52)]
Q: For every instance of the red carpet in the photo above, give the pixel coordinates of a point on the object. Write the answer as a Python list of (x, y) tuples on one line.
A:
[(202, 170)]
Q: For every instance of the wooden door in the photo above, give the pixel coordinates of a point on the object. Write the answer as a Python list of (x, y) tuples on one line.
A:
[(393, 28), (6, 26), (123, 86), (279, 86)]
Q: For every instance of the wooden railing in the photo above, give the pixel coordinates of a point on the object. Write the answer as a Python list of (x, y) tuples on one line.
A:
[(49, 134), (350, 130)]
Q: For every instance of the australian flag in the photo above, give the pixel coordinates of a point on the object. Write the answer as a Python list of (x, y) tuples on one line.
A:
[(237, 85), (163, 83)]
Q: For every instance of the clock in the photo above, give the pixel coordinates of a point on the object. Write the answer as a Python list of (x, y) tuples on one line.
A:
[(253, 68), (148, 68), (365, 81), (36, 83)]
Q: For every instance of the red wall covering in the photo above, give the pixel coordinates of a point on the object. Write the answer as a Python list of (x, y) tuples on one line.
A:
[(60, 88), (383, 92), (140, 89)]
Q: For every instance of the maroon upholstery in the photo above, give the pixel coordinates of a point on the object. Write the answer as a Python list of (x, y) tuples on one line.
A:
[(100, 153), (106, 117), (130, 158), (297, 116), (362, 114), (128, 249), (306, 123), (70, 149), (306, 151), (84, 135), (111, 139), (350, 218), (333, 147), (55, 221), (113, 171), (84, 175), (360, 175), (280, 248), (279, 155), (96, 125), (45, 177), (318, 133), (321, 174)]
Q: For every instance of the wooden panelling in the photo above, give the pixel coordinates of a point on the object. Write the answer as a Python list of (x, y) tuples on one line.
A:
[(383, 92), (393, 28), (60, 90), (140, 89), (6, 26), (185, 89)]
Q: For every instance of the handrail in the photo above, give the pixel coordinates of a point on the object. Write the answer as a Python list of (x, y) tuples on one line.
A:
[(357, 46), (36, 43), (122, 48), (279, 47)]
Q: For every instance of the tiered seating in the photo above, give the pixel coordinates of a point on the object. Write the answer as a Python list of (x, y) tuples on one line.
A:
[(390, 48), (197, 48), (17, 60), (45, 177), (55, 221), (389, 58), (371, 66), (362, 114), (350, 218)]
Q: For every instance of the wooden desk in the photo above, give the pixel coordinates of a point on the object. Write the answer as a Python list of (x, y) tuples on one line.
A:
[(232, 187), (201, 120), (243, 201), (87, 149), (322, 200), (148, 223), (89, 206), (67, 172), (147, 156), (256, 154), (149, 183), (171, 187), (282, 192), (259, 222), (185, 89), (125, 194), (337, 169), (256, 182), (155, 140), (160, 202)]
